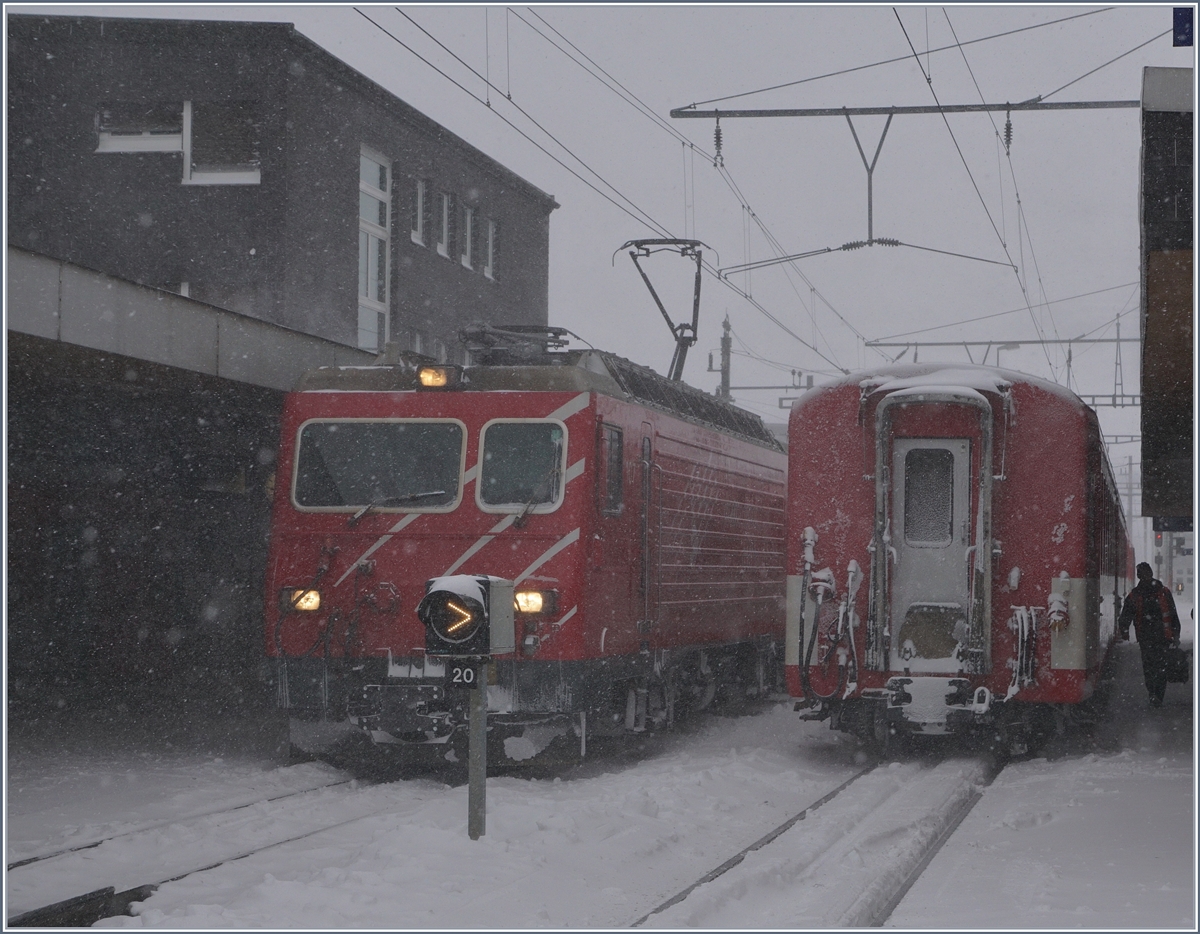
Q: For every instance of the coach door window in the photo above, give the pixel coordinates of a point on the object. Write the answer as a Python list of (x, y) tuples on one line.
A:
[(522, 466), (404, 465), (611, 473), (928, 496)]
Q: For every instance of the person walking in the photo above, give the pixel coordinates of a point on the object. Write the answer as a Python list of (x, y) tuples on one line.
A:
[(1151, 610)]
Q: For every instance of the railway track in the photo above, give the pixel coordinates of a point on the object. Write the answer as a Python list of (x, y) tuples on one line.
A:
[(860, 849), (103, 877), (845, 860), (165, 822)]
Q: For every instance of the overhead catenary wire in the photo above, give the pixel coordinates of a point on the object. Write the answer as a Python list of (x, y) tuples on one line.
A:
[(608, 80), (646, 218), (1037, 327), (632, 99), (892, 61), (1042, 97), (1012, 173), (1000, 314), (521, 132)]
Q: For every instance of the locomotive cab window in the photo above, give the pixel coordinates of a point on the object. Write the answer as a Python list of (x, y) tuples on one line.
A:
[(928, 496), (611, 470), (407, 465), (522, 465)]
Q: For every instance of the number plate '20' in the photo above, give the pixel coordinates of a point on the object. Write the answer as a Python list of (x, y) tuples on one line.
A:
[(463, 675)]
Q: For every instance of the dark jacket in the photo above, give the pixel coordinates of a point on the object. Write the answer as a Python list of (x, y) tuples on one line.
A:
[(1151, 609)]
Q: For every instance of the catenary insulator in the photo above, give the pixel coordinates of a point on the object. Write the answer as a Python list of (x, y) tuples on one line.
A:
[(1008, 134)]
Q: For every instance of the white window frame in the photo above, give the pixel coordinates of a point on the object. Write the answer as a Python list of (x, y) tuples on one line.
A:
[(538, 508), (366, 305), (443, 244), (418, 230), (489, 251), (144, 141), (466, 235), (406, 508), (232, 177)]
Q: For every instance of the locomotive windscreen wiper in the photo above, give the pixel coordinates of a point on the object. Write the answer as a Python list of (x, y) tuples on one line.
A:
[(392, 501), (549, 483)]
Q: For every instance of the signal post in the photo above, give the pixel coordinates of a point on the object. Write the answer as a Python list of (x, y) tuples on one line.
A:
[(468, 619)]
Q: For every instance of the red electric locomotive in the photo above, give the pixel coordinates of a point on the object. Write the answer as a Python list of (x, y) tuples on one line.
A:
[(640, 520), (956, 553)]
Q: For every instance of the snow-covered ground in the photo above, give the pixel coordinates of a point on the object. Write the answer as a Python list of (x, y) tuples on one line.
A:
[(1101, 837), (1096, 839)]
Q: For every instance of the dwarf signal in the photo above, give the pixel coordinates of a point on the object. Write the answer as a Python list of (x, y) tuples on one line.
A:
[(467, 616)]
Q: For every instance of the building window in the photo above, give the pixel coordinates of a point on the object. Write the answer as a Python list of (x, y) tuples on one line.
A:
[(418, 212), (220, 143), (489, 250), (467, 234), (147, 127), (374, 205), (443, 222), (219, 140)]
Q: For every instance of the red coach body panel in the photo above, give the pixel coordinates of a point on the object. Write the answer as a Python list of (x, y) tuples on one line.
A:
[(1054, 517)]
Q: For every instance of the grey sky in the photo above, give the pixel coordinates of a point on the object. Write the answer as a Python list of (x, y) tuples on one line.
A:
[(1076, 172)]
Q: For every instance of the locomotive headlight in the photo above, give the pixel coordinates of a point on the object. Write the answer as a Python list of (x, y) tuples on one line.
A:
[(452, 617), (535, 601), (528, 601), (438, 377), (301, 599)]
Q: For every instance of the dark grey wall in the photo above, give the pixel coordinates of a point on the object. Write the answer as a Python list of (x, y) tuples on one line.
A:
[(137, 520)]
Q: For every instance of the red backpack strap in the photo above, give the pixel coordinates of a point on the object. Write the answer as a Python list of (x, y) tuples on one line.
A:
[(1165, 604)]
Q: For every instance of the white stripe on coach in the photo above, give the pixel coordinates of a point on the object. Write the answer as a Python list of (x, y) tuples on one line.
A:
[(567, 409), (568, 539), (470, 552)]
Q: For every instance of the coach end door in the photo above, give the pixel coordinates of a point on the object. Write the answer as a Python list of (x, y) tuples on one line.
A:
[(931, 536)]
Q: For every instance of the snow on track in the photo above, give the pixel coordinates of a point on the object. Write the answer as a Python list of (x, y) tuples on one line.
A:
[(598, 849), (173, 848), (845, 864)]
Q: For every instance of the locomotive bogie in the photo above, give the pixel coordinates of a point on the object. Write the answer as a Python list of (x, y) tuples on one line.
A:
[(982, 508)]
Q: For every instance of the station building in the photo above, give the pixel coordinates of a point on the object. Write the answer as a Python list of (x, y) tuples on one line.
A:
[(1167, 297), (198, 212)]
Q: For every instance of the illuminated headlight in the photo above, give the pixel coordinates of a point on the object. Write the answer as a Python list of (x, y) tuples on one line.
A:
[(438, 377), (535, 601), (299, 599)]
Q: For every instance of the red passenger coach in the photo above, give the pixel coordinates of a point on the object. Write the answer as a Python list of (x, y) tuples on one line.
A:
[(640, 520), (956, 553)]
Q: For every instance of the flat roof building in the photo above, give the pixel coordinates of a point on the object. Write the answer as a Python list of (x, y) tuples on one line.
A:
[(243, 165)]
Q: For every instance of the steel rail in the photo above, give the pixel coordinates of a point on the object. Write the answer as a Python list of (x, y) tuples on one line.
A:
[(756, 845), (166, 822)]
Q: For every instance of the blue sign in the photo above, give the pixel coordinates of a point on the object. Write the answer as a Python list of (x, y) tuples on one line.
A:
[(1183, 25)]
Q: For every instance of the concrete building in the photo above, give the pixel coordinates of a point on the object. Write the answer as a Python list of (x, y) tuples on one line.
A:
[(242, 165)]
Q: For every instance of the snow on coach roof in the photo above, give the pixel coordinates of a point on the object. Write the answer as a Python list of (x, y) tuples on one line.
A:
[(944, 377)]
